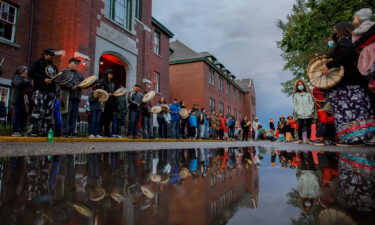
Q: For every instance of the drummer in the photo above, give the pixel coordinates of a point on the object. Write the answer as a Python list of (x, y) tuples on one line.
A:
[(108, 85), (70, 98), (135, 100), (44, 93), (175, 119), (146, 119)]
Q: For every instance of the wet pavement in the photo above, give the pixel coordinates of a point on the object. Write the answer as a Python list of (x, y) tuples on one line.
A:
[(203, 186)]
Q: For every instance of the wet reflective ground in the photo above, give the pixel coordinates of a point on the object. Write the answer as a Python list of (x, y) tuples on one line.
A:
[(203, 186)]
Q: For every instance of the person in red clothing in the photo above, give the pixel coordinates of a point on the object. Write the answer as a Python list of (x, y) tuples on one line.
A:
[(326, 130), (292, 123), (223, 123)]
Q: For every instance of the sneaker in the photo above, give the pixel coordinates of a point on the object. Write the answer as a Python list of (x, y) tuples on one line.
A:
[(32, 135), (354, 144), (370, 142), (306, 141), (113, 136), (298, 142), (119, 136), (99, 136), (91, 136), (16, 134), (317, 143)]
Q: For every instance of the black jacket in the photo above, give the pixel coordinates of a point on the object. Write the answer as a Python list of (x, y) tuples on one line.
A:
[(37, 72), (20, 86), (109, 87), (344, 54)]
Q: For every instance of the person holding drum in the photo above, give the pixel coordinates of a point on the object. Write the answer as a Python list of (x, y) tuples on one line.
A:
[(183, 122), (41, 72), (354, 117), (163, 125), (175, 119), (70, 98), (135, 100), (108, 85)]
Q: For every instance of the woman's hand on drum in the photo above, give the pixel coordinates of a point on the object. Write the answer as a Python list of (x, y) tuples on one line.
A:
[(325, 70), (47, 81)]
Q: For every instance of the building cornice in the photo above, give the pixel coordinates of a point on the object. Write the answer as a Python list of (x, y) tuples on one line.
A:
[(162, 27)]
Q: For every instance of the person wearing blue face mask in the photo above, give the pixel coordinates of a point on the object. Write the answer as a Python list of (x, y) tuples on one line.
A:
[(331, 43), (304, 109)]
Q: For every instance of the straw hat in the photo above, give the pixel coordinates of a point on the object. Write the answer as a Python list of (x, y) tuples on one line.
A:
[(165, 108), (101, 94), (155, 177), (149, 96), (147, 192), (184, 173), (314, 72), (120, 92), (184, 113), (87, 82), (98, 194), (82, 209), (155, 110)]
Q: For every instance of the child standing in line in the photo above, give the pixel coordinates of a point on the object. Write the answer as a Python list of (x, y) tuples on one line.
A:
[(193, 122), (96, 108), (303, 105)]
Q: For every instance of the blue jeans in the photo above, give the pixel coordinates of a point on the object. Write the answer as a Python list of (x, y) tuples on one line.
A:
[(69, 120), (146, 127), (133, 122), (163, 128), (19, 118), (95, 122), (202, 129), (116, 126), (175, 129)]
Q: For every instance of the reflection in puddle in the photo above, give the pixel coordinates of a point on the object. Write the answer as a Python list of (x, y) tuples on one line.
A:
[(202, 186)]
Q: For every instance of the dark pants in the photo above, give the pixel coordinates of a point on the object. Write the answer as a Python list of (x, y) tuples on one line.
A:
[(116, 126), (107, 118), (41, 117), (163, 128), (19, 118), (94, 126), (183, 127), (231, 132), (146, 127), (192, 131), (292, 130), (245, 135), (69, 120), (304, 123), (326, 131), (175, 129), (221, 134), (134, 116)]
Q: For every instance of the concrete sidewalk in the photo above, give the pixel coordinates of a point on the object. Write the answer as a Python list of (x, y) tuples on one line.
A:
[(40, 146)]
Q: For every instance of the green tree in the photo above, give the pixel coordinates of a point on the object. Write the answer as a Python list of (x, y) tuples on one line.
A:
[(306, 29)]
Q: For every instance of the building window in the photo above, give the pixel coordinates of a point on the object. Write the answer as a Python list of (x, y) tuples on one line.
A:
[(229, 109), (253, 100), (213, 181), (221, 108), (156, 42), (213, 209), (120, 11), (212, 104), (8, 20), (221, 80), (235, 113), (240, 115), (223, 202), (138, 9), (156, 82), (228, 88), (234, 92), (211, 76)]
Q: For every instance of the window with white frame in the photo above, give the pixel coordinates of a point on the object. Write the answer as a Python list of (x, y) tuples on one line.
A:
[(156, 42), (156, 82), (138, 9), (235, 113), (229, 110), (234, 92), (211, 76), (221, 108), (228, 88), (221, 80), (120, 11), (8, 21), (212, 104)]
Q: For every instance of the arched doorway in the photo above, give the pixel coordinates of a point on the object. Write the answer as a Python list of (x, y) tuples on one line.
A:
[(109, 61)]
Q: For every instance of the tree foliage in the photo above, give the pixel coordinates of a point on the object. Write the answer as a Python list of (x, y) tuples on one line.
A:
[(306, 29)]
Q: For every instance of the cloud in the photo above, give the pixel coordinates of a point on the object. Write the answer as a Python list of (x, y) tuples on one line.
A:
[(242, 34)]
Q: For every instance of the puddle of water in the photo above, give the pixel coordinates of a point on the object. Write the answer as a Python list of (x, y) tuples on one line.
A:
[(203, 186)]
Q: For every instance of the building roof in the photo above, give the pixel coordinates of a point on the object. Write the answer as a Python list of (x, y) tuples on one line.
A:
[(162, 27), (180, 53), (246, 84)]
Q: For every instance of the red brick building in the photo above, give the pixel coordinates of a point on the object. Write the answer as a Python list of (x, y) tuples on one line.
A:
[(200, 78), (117, 34)]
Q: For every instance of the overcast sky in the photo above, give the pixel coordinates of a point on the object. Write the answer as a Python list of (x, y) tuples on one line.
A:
[(242, 35)]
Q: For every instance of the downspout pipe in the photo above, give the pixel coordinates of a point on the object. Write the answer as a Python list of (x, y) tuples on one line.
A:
[(30, 33)]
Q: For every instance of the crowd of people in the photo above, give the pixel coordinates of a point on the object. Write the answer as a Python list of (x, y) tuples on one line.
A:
[(45, 104), (343, 112)]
